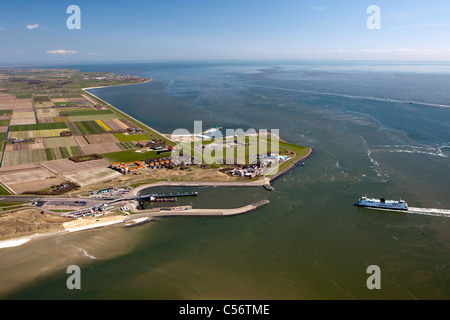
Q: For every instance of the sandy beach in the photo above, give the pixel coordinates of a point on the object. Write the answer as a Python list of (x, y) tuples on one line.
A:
[(13, 242), (83, 224)]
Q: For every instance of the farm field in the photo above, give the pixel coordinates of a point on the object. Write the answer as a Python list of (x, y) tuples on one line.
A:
[(101, 138), (100, 148), (93, 116), (131, 137), (132, 155), (11, 158), (87, 127), (7, 101), (38, 144), (62, 152), (66, 166), (46, 118), (91, 176), (47, 113), (22, 121), (60, 142)]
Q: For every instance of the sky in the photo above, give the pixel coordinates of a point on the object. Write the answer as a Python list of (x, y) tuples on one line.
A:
[(150, 30)]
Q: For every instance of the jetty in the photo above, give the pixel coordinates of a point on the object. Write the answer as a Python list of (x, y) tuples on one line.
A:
[(187, 211), (165, 197)]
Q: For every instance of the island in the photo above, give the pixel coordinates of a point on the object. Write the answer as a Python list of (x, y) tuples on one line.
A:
[(70, 161)]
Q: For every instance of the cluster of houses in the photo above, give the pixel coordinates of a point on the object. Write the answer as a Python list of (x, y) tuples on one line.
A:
[(15, 140), (136, 166), (160, 163), (158, 145), (248, 171), (114, 77)]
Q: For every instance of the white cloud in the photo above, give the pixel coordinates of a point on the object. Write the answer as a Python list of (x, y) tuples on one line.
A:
[(61, 51), (319, 8), (32, 26), (1, 28)]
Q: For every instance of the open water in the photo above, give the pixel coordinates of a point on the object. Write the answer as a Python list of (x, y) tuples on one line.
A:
[(378, 129)]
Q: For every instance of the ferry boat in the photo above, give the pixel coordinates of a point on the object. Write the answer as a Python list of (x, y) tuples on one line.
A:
[(382, 203)]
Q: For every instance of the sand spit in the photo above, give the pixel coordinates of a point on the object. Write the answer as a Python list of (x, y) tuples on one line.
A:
[(91, 223)]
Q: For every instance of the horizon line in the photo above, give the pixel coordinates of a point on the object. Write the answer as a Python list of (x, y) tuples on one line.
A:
[(89, 62)]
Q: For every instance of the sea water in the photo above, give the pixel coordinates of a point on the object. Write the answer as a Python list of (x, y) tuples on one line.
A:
[(377, 129)]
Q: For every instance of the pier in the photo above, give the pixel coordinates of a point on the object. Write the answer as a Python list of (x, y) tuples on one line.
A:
[(189, 212)]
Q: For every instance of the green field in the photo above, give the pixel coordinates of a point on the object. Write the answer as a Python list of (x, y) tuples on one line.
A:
[(132, 155), (88, 127), (74, 128), (126, 145), (86, 112), (67, 152), (131, 137), (41, 98), (92, 116), (50, 154), (4, 191), (49, 89), (39, 126), (62, 152)]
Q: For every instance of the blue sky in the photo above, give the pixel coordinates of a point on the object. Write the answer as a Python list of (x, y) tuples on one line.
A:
[(147, 30)]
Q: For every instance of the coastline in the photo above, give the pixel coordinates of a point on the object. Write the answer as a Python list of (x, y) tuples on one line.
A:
[(259, 183), (86, 224), (120, 111)]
